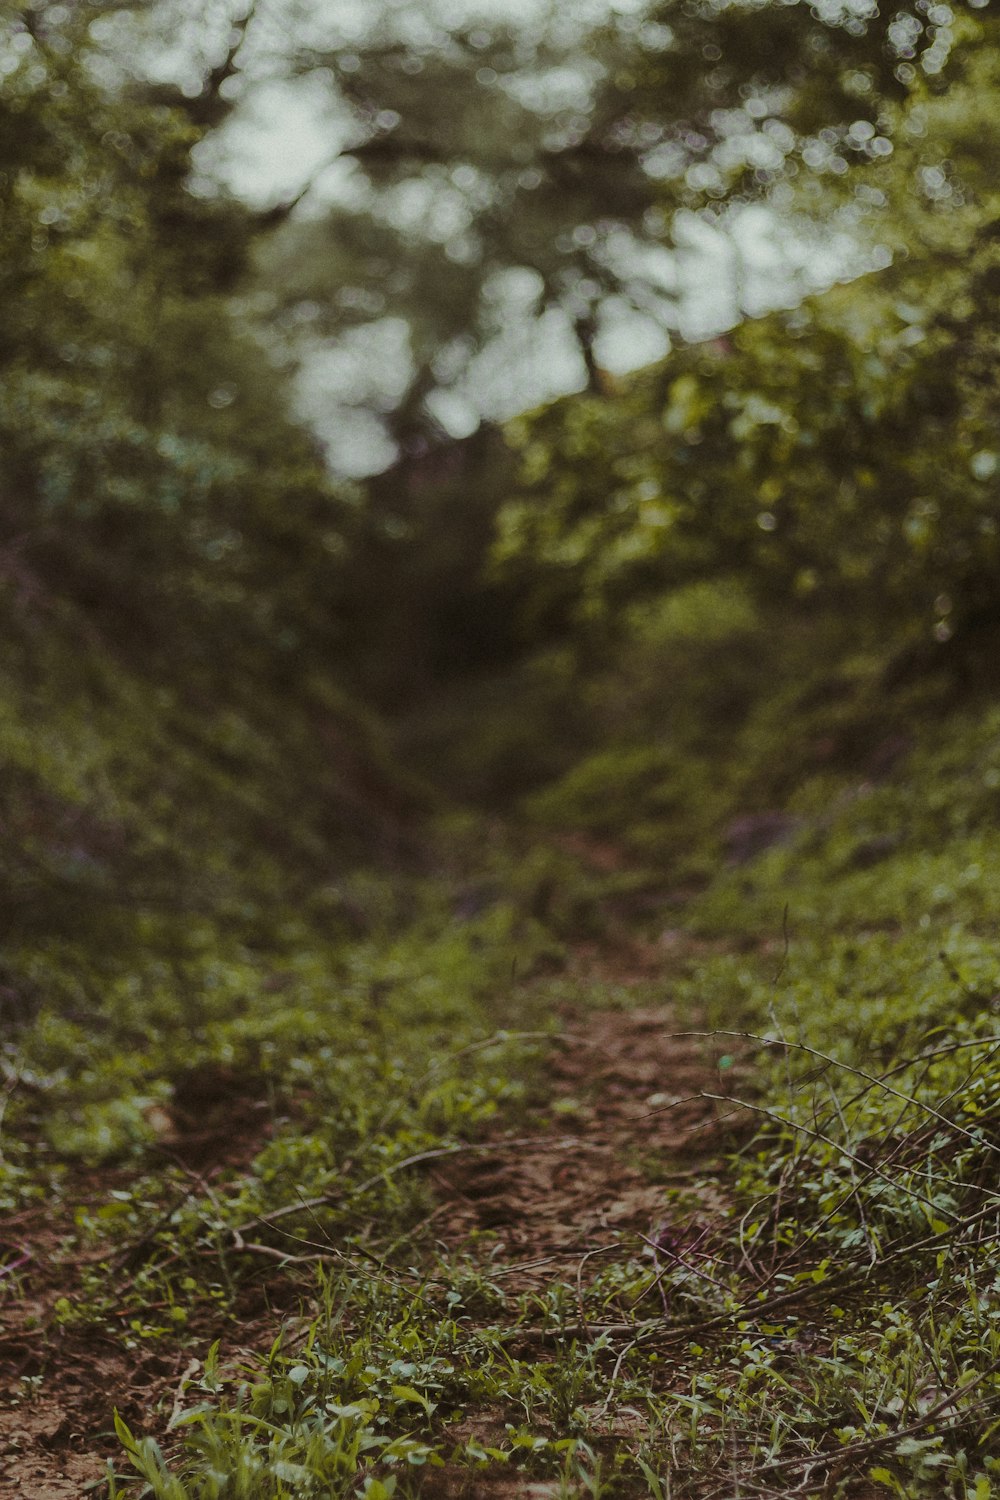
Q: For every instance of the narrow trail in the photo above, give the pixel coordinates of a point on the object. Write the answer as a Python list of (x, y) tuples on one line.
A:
[(628, 1166), (628, 1124)]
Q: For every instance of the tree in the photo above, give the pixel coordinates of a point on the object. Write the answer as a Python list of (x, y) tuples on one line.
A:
[(171, 547), (147, 487), (493, 178), (494, 173), (846, 453)]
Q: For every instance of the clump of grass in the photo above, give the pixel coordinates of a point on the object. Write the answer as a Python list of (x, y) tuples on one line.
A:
[(850, 1316)]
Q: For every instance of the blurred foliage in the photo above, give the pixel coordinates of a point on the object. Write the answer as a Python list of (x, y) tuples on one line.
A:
[(845, 454), (842, 454), (170, 551), (548, 193), (186, 590), (165, 497)]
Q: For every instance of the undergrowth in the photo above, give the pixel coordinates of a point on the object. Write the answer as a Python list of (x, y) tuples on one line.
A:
[(236, 1133)]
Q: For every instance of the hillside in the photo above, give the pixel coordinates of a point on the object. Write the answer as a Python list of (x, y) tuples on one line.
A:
[(424, 1161)]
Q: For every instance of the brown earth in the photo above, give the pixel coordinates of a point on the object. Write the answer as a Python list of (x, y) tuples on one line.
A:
[(629, 1122), (59, 1384), (626, 1170)]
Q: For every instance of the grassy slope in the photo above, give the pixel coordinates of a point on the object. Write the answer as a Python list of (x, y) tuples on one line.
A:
[(844, 1323)]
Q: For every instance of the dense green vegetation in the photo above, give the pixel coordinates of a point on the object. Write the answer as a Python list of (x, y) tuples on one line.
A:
[(324, 806), (841, 1321)]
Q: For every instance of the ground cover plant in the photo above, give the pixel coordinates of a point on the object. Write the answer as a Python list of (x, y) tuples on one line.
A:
[(781, 1273)]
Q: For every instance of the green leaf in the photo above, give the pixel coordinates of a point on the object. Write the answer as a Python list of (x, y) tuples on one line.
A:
[(410, 1393)]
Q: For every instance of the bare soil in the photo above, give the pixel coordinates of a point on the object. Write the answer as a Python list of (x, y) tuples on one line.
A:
[(628, 1123), (628, 1166)]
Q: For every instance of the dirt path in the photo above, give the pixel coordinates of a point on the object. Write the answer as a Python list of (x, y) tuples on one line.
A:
[(628, 1126), (629, 1163)]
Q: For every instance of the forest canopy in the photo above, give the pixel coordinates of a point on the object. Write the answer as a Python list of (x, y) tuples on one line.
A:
[(534, 174), (494, 192)]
